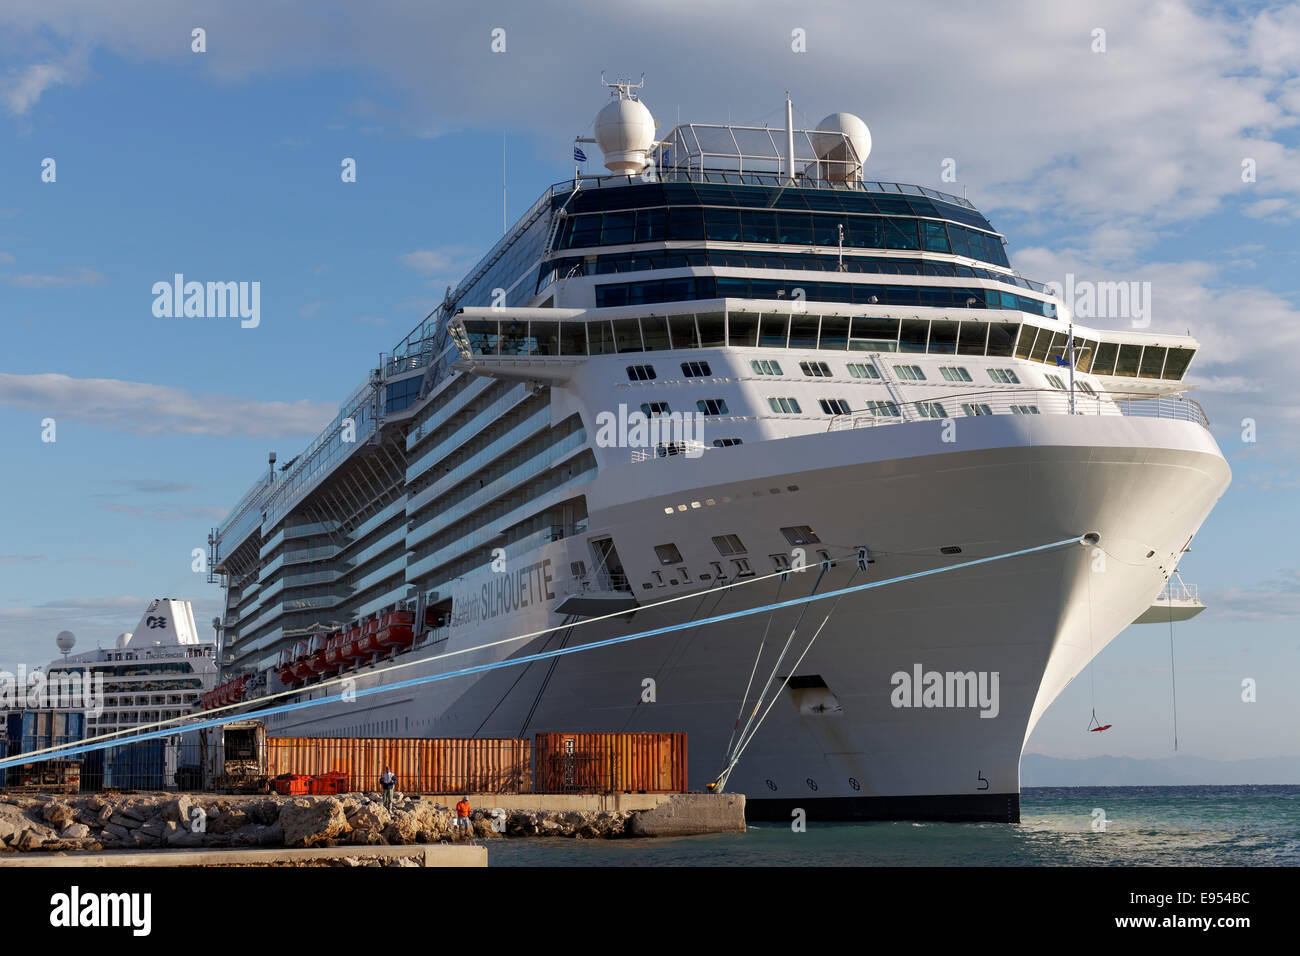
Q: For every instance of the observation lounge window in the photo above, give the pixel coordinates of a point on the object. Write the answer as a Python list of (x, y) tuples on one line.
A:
[(834, 334), (722, 225), (773, 330), (627, 335), (1104, 364), (545, 338), (943, 338), (713, 329), (803, 331), (913, 336), (682, 329), (600, 336), (573, 338), (1153, 361), (973, 339), (874, 335), (1126, 366), (1176, 364), (654, 330), (742, 329)]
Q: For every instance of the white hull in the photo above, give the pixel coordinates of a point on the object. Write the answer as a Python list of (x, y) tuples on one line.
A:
[(1008, 483)]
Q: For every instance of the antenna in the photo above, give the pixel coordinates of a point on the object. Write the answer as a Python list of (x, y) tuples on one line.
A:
[(789, 132), (504, 223), (624, 87)]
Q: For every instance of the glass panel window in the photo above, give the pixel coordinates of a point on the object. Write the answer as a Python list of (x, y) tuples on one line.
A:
[(774, 330), (573, 338), (722, 225), (834, 406), (943, 338), (1087, 388), (910, 373), (815, 369), (696, 369), (954, 373), (1055, 381), (803, 331), (978, 408), (654, 329), (712, 406), (668, 554), (1153, 360), (682, 328), (914, 334), (1024, 409), (729, 544), (654, 409), (627, 335), (863, 370), (1025, 344), (1004, 376), (713, 329), (874, 335), (765, 367), (801, 534), (1127, 364), (1176, 364), (930, 410), (785, 406), (886, 409), (600, 336), (727, 442), (834, 334), (742, 329), (1105, 361), (640, 373), (1002, 339)]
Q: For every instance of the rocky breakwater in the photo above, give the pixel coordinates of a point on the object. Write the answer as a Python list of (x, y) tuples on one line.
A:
[(97, 822)]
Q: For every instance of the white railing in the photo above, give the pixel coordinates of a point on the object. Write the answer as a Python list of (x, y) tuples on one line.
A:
[(1175, 590)]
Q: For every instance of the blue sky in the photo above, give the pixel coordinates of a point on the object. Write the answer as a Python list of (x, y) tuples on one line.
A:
[(224, 165)]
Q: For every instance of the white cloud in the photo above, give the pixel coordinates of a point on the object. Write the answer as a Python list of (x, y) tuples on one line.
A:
[(146, 409), (78, 276), (429, 262), (20, 91)]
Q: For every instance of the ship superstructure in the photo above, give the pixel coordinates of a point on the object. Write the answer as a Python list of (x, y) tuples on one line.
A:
[(858, 385)]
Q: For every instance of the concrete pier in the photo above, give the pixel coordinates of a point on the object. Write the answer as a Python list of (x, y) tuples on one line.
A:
[(438, 854)]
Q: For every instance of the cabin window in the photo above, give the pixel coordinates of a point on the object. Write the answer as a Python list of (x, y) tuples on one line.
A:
[(712, 406), (910, 373), (930, 410), (696, 369), (886, 409), (786, 406), (640, 373), (953, 373), (654, 409), (863, 370), (815, 369), (978, 408), (729, 544), (1055, 381), (1024, 409), (766, 367), (1004, 376), (834, 406), (727, 442), (668, 554)]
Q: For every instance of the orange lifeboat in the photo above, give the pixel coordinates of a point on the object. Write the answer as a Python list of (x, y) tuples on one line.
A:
[(284, 670), (334, 653), (396, 629), (316, 655), (369, 642), (350, 649), (301, 670)]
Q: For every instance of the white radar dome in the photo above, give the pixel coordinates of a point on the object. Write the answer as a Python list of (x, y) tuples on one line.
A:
[(829, 142), (625, 131), (65, 641), (123, 639)]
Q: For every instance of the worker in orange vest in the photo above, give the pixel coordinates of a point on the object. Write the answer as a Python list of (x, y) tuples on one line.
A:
[(462, 813)]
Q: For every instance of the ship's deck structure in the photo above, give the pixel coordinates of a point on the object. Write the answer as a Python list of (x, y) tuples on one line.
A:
[(752, 277)]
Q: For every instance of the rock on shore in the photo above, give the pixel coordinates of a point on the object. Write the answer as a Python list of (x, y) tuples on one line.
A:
[(167, 820)]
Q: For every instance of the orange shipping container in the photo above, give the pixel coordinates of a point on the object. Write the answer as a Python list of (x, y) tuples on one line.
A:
[(422, 765), (610, 763)]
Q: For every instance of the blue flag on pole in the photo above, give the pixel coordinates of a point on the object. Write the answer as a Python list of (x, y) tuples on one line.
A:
[(578, 155), (1062, 362)]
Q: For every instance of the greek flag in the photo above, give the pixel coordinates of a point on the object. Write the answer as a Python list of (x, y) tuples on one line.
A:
[(578, 155)]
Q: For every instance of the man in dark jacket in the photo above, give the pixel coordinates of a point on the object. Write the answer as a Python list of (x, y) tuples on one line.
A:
[(388, 783)]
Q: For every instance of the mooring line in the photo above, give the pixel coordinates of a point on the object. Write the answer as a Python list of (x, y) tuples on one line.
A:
[(349, 695)]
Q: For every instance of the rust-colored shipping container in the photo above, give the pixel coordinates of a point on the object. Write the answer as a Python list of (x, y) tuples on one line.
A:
[(610, 763), (423, 765)]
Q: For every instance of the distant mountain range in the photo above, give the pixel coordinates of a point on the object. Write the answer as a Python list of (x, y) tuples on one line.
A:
[(1037, 770)]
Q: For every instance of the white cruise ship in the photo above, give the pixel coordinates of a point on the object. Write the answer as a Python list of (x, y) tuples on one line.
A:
[(873, 392), (157, 672)]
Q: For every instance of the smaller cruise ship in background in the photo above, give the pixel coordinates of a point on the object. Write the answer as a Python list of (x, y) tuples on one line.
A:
[(160, 671)]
